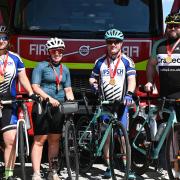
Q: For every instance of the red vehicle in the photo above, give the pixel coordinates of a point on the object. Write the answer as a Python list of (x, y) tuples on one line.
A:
[(82, 24)]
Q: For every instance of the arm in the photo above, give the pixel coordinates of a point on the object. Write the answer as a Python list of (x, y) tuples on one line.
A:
[(69, 93), (25, 82), (37, 89), (131, 83), (150, 73)]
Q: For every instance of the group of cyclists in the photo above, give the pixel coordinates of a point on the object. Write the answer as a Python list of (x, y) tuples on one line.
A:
[(114, 73)]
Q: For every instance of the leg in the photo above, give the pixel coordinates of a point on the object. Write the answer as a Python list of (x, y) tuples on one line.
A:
[(37, 149), (53, 147), (9, 153)]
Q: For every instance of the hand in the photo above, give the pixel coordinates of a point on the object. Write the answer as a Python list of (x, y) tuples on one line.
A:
[(128, 100), (94, 87), (35, 97), (54, 102), (148, 87)]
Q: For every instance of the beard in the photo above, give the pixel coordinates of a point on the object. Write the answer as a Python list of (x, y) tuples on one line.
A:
[(173, 35)]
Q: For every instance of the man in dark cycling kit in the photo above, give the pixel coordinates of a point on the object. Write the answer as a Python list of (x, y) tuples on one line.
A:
[(11, 67), (114, 73), (165, 58)]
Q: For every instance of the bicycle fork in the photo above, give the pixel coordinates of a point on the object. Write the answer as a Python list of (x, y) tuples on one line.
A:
[(21, 119)]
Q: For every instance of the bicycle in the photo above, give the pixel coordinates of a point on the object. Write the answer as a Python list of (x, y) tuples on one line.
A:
[(23, 124), (146, 149), (68, 151), (91, 140)]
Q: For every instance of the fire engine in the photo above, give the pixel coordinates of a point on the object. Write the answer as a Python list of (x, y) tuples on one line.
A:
[(82, 24)]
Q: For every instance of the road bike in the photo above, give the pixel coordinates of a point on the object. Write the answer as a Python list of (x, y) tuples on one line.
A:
[(68, 155), (92, 135), (23, 124), (146, 149)]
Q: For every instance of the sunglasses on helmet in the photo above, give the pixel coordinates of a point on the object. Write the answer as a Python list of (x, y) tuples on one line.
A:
[(56, 50), (4, 38)]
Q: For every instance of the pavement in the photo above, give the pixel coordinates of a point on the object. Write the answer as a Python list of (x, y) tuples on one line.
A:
[(95, 173)]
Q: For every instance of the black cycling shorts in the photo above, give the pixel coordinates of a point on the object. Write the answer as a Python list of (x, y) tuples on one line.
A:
[(44, 125), (9, 118)]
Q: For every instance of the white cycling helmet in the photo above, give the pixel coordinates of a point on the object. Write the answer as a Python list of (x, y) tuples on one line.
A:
[(55, 43), (3, 29)]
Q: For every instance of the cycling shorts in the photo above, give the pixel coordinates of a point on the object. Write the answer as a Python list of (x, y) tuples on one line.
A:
[(44, 125), (122, 112), (9, 118)]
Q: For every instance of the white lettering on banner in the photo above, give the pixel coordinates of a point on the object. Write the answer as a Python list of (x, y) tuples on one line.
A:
[(37, 49), (131, 51)]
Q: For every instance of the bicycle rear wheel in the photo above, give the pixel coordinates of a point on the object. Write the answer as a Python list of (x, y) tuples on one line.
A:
[(86, 155), (139, 161), (71, 152), (21, 149), (173, 152), (120, 154)]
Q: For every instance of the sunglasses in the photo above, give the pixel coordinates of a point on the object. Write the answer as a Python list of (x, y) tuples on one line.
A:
[(113, 41), (54, 51), (170, 26), (4, 38)]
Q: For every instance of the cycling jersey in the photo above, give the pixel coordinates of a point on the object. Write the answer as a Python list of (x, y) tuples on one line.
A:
[(169, 72), (44, 76), (14, 65), (124, 69), (8, 90)]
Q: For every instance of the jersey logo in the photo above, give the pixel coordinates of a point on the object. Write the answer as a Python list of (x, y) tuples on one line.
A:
[(118, 72)]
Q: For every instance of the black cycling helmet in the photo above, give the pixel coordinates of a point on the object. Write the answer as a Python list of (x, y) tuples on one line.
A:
[(3, 29), (173, 18)]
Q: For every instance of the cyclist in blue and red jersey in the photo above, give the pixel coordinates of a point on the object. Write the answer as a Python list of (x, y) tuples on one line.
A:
[(114, 73), (11, 68)]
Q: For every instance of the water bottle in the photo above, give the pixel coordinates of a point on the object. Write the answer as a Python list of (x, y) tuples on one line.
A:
[(160, 131), (153, 128)]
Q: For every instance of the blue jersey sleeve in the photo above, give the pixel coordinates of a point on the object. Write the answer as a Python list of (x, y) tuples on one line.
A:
[(37, 73), (96, 70), (130, 66), (67, 82)]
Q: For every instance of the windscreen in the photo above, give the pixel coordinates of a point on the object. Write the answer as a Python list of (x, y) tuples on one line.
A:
[(83, 15)]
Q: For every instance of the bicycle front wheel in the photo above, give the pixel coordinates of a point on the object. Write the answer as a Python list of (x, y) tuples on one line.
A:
[(120, 154), (71, 152), (21, 149), (173, 152)]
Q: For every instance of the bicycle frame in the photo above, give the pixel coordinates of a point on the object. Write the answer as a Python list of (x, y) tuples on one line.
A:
[(171, 120), (99, 112), (21, 118)]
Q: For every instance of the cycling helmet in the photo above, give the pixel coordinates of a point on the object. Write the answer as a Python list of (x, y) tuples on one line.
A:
[(173, 18), (114, 34), (55, 43), (3, 29)]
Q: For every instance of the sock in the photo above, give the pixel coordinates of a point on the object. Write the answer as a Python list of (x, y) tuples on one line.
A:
[(8, 172)]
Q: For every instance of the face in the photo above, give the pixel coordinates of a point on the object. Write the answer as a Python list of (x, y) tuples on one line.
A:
[(173, 31), (3, 41), (113, 46), (56, 54)]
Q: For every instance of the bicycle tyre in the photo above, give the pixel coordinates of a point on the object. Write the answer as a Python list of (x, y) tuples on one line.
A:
[(169, 149), (71, 152), (116, 153), (139, 162), (21, 149), (86, 155)]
